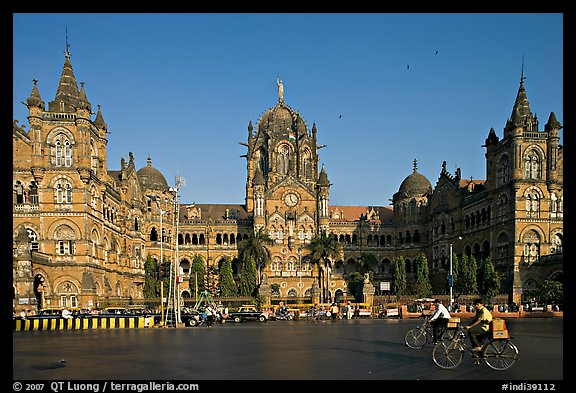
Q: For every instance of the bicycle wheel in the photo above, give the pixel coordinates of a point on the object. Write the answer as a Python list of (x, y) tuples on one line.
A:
[(447, 354), (500, 354), (449, 334), (415, 338)]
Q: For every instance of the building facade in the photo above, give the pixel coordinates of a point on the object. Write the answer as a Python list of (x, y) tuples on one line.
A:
[(82, 232)]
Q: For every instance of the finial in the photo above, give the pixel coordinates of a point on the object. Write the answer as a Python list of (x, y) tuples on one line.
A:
[(415, 165), (280, 90), (522, 77), (67, 45), (35, 81)]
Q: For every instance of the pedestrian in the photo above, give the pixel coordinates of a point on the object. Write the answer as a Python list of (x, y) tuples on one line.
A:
[(334, 309), (209, 316), (66, 314), (349, 310), (357, 312)]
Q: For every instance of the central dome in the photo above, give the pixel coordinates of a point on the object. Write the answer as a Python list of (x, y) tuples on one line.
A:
[(415, 184), (151, 178)]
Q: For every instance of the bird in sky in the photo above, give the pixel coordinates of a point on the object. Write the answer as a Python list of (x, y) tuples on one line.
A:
[(340, 116), (407, 66), (436, 52)]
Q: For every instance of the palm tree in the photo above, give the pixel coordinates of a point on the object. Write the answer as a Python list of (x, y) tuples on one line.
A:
[(255, 247), (324, 250)]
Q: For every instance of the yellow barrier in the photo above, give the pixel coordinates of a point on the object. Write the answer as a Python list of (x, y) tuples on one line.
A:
[(95, 322)]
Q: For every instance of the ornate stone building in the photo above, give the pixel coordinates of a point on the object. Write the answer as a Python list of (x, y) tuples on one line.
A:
[(82, 232)]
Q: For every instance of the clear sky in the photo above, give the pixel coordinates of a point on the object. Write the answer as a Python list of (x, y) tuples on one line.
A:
[(383, 89)]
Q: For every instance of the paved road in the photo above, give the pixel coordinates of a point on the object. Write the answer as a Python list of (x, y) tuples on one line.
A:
[(279, 350)]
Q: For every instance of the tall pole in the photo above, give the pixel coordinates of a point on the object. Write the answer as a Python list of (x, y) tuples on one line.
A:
[(450, 278), (161, 262)]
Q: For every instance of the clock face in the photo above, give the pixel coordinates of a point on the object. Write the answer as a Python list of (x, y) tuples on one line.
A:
[(291, 199)]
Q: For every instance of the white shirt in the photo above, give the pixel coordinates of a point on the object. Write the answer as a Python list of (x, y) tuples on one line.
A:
[(441, 312)]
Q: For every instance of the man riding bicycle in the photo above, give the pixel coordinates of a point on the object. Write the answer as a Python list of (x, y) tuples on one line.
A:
[(480, 325), (439, 320)]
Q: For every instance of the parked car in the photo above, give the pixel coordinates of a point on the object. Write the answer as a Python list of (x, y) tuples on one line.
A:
[(248, 312), (188, 317), (117, 311)]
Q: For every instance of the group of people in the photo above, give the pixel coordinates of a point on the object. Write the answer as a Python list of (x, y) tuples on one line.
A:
[(477, 327)]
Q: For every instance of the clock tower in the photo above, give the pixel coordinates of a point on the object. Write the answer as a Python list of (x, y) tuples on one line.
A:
[(282, 191)]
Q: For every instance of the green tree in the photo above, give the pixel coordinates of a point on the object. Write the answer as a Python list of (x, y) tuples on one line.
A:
[(324, 251), (399, 276), (467, 283), (367, 263), (226, 279), (355, 282), (151, 286), (489, 284), (550, 291), (254, 247), (422, 286), (197, 275), (248, 285)]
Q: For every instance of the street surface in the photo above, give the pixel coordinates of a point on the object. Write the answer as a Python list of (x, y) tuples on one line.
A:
[(365, 349)]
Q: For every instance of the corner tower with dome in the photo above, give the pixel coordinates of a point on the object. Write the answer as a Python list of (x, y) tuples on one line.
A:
[(82, 232)]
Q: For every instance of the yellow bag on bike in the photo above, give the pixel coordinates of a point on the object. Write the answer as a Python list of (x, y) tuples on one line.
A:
[(499, 329)]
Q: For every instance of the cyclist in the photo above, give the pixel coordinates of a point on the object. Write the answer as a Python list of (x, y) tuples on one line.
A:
[(439, 320), (480, 325)]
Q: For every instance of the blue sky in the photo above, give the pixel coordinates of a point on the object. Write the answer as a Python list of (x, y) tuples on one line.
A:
[(181, 88)]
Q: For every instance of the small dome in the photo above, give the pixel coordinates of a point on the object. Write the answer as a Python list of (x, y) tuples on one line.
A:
[(415, 184), (151, 178)]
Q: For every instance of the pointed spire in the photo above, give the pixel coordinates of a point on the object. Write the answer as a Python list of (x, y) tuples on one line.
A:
[(82, 100), (492, 138), (66, 99), (521, 104), (35, 99), (258, 179), (250, 129), (552, 123), (99, 121), (323, 178)]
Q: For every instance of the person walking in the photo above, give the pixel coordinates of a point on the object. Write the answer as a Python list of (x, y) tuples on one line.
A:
[(439, 320), (480, 325), (209, 315), (334, 309)]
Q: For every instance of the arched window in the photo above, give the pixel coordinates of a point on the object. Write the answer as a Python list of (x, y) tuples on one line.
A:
[(533, 203), (531, 242), (33, 193), (502, 245), (68, 294), (503, 171), (282, 161), (59, 153), (67, 154), (556, 246), (532, 165), (93, 158), (33, 239), (306, 171)]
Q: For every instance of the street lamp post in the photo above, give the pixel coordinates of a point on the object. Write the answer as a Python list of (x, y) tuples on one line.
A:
[(155, 199), (450, 277)]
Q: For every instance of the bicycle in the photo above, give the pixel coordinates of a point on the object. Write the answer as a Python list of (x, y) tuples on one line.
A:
[(498, 353), (423, 334)]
